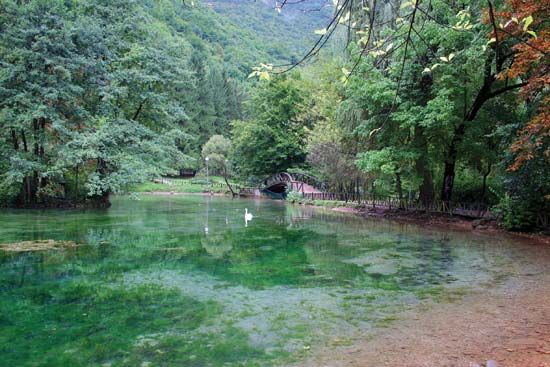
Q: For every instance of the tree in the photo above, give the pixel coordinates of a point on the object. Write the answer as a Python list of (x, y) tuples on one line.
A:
[(274, 138), (86, 101), (439, 59), (217, 150), (525, 24)]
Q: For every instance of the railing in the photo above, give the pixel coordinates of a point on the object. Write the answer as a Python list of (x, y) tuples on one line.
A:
[(476, 210), (247, 190), (310, 180), (294, 180), (543, 219), (210, 184)]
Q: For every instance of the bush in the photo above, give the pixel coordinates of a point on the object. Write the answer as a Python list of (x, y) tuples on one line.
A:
[(294, 196), (516, 214), (199, 181), (468, 187)]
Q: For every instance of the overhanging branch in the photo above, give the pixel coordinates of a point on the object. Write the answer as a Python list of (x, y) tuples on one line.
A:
[(506, 89)]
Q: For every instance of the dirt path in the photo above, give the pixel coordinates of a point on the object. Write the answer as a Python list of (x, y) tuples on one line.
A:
[(510, 325)]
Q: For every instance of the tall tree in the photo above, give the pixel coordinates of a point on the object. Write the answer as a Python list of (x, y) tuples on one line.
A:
[(274, 137)]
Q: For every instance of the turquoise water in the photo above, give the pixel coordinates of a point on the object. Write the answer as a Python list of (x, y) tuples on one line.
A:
[(184, 280)]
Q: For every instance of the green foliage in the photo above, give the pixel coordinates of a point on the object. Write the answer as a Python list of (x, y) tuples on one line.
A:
[(469, 187), (274, 137), (516, 214), (99, 96), (294, 196), (217, 150), (288, 33), (424, 114), (526, 204)]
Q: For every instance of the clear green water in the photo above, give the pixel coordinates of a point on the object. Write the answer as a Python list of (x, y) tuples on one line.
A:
[(181, 280)]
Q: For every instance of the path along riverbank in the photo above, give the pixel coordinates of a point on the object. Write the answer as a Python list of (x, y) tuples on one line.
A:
[(443, 221)]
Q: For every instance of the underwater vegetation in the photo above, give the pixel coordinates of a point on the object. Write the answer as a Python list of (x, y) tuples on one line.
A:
[(148, 285)]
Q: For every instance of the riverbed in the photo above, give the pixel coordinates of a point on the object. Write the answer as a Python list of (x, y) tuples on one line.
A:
[(187, 280)]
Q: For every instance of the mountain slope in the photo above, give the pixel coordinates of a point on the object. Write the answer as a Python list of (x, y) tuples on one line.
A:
[(284, 35)]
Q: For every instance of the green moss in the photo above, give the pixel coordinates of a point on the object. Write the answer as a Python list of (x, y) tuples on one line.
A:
[(440, 293), (70, 307), (215, 349), (83, 323), (427, 292), (386, 321)]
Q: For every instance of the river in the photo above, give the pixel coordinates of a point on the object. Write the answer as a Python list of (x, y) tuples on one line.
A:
[(186, 280)]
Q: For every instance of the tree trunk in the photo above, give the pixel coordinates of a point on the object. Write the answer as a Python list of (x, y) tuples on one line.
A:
[(77, 171), (426, 189), (102, 200), (450, 163), (24, 140), (14, 140), (484, 94), (448, 181), (484, 186), (399, 188), (227, 182)]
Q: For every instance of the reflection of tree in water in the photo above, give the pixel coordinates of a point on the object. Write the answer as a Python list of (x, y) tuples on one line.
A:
[(37, 267), (436, 261), (258, 256), (396, 256), (295, 214), (216, 245)]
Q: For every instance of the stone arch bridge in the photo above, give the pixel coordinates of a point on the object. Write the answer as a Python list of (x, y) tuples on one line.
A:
[(284, 182)]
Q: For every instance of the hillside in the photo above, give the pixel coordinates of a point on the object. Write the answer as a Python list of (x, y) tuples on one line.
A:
[(241, 34), (284, 35)]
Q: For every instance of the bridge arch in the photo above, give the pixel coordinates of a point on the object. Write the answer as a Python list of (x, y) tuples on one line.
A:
[(283, 182)]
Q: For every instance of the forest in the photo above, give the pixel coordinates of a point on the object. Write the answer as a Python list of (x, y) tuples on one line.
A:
[(274, 183), (429, 100)]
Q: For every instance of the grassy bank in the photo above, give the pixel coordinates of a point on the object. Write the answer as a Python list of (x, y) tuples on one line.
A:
[(325, 203), (215, 184)]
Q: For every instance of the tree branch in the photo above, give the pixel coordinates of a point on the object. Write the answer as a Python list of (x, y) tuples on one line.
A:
[(506, 89), (134, 118), (495, 31)]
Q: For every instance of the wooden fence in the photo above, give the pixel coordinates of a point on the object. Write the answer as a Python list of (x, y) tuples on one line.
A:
[(246, 191), (476, 210), (543, 220)]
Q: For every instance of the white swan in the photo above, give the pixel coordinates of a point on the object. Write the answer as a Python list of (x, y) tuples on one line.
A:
[(247, 217)]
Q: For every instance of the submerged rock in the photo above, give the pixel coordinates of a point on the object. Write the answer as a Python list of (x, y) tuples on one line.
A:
[(37, 245)]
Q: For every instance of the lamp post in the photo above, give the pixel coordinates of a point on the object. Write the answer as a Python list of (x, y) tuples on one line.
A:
[(207, 176)]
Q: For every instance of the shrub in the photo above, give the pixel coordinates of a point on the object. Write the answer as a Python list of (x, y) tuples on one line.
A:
[(516, 214), (294, 196)]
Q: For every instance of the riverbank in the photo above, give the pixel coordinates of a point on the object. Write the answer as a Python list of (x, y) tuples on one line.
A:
[(197, 185), (439, 220), (508, 325), (168, 193)]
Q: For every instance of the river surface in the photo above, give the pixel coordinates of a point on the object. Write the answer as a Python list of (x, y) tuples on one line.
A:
[(185, 280)]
